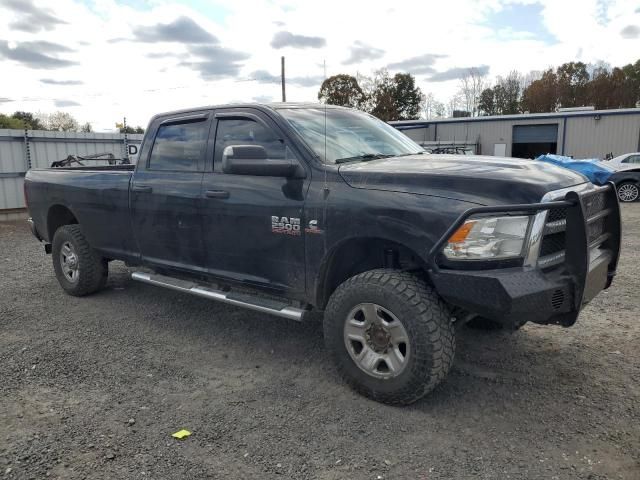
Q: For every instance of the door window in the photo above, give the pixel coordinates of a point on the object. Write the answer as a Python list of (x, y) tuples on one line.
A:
[(632, 159), (179, 146), (245, 131)]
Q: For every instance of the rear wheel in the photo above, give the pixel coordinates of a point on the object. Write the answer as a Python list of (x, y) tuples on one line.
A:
[(628, 192), (79, 269), (390, 335)]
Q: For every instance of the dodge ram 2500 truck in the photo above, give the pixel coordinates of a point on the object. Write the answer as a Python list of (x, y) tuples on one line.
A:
[(302, 210)]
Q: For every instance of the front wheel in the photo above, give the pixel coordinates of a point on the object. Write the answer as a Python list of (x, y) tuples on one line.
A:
[(390, 336), (79, 269), (628, 192)]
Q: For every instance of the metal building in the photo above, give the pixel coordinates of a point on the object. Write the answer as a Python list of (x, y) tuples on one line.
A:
[(21, 150), (579, 133)]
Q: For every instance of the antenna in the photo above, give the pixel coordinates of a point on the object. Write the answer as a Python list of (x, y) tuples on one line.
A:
[(284, 93), (326, 188)]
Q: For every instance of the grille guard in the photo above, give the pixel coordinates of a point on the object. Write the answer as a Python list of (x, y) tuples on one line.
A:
[(588, 267)]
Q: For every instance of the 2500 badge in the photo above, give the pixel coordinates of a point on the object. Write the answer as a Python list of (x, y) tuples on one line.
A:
[(285, 225)]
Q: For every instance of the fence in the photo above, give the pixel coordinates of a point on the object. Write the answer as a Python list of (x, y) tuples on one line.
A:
[(21, 150)]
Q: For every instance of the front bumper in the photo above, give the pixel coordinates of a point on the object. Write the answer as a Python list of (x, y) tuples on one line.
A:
[(515, 296), (551, 295)]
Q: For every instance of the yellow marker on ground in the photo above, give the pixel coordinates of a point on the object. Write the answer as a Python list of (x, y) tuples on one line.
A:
[(181, 434)]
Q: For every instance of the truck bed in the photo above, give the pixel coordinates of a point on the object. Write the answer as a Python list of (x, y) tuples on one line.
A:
[(96, 196)]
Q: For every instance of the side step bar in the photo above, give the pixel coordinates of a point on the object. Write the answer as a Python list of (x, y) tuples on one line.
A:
[(273, 307)]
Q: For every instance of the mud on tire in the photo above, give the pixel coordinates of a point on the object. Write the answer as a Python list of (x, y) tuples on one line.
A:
[(402, 297), (91, 270)]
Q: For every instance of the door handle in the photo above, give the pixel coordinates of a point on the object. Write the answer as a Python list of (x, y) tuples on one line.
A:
[(142, 188), (217, 194)]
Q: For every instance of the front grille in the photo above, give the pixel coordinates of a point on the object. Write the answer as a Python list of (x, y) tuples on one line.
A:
[(553, 245), (595, 229), (557, 214), (594, 203)]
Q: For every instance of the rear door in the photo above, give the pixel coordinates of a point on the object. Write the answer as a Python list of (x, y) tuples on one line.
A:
[(253, 226), (165, 193)]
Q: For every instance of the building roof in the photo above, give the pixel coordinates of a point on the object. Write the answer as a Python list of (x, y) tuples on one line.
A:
[(520, 116)]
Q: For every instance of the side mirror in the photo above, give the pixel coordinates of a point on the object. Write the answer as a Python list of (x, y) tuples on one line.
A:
[(252, 160)]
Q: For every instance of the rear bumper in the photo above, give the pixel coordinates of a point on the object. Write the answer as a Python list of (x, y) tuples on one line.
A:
[(33, 228), (515, 296)]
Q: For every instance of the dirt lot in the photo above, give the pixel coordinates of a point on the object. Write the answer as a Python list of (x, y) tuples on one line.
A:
[(94, 388)]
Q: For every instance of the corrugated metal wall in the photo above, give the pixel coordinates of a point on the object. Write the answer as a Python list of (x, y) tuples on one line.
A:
[(39, 148), (590, 138), (422, 134), (490, 133)]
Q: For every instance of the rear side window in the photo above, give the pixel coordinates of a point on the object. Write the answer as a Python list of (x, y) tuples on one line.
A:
[(244, 131), (179, 146)]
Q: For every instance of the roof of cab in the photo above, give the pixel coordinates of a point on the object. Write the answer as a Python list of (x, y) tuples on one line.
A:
[(263, 106)]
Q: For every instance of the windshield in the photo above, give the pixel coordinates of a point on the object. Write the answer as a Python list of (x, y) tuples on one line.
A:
[(350, 134)]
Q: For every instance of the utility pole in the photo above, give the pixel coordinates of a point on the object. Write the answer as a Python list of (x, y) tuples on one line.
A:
[(284, 93)]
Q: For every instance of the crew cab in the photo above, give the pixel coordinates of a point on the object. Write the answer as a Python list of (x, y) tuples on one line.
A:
[(309, 211)]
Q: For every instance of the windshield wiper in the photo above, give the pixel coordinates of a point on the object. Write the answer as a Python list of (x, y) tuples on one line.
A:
[(407, 154), (362, 158)]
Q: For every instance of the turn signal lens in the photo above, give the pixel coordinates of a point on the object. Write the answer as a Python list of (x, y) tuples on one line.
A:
[(461, 234)]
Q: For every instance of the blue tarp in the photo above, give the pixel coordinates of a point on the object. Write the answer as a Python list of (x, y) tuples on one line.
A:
[(595, 170)]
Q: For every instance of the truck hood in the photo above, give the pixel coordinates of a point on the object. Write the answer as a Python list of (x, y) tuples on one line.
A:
[(478, 179)]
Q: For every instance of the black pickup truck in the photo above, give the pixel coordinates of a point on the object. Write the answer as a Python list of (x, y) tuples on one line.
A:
[(303, 211)]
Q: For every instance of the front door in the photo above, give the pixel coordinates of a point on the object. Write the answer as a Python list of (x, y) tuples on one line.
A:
[(253, 226), (165, 194)]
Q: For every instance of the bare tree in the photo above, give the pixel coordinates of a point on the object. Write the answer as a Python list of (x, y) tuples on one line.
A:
[(472, 84), (528, 78), (455, 103), (431, 107), (426, 105), (60, 121), (439, 109)]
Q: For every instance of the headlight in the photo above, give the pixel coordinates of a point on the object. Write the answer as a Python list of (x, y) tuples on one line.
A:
[(488, 238)]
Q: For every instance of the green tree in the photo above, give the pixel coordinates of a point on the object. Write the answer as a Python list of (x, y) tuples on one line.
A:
[(572, 84), (341, 90), (382, 97), (631, 90), (395, 98), (129, 129), (10, 122), (487, 102), (507, 93), (29, 120), (407, 96)]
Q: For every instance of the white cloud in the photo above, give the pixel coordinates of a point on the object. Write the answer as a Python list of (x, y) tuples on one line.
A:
[(172, 55)]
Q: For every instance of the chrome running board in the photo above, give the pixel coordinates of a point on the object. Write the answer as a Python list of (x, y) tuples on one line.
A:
[(264, 305)]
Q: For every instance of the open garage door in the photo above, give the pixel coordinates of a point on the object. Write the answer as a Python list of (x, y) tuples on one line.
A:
[(529, 141)]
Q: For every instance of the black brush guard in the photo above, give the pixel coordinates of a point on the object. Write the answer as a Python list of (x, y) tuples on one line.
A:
[(519, 294)]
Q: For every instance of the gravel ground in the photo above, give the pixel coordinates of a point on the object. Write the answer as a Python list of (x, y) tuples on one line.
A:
[(94, 388)]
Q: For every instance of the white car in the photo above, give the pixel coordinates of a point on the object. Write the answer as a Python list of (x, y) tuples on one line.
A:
[(626, 161), (627, 176)]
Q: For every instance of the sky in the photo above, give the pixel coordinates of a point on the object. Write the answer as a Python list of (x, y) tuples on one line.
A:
[(102, 60)]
